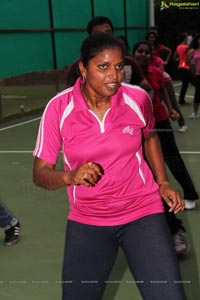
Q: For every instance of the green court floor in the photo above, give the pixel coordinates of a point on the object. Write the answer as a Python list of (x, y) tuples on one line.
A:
[(31, 269)]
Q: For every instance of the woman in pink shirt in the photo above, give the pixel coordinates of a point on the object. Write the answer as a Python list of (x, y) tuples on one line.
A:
[(103, 127), (180, 56), (194, 53), (159, 50)]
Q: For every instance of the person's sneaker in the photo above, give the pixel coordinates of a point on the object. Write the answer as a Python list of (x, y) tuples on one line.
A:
[(180, 244), (193, 116), (183, 128), (189, 204), (12, 235)]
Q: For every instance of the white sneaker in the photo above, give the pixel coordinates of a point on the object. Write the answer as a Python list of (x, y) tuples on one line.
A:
[(193, 116), (190, 204), (183, 128)]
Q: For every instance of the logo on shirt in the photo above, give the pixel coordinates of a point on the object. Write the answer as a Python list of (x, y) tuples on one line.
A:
[(128, 129)]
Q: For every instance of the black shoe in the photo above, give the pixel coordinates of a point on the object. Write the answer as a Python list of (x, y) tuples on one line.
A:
[(12, 235)]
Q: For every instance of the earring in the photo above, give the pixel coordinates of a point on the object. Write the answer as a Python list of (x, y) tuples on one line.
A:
[(84, 78)]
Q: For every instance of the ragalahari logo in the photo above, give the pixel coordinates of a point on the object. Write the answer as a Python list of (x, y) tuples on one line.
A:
[(180, 5), (164, 5)]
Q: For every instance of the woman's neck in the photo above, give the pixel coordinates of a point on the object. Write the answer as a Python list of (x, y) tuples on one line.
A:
[(98, 105), (93, 100)]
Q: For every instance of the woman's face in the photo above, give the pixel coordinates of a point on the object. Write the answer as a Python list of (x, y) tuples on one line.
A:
[(142, 55), (104, 73), (151, 39)]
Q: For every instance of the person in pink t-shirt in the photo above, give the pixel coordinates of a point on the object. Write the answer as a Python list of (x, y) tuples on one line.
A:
[(180, 55), (158, 62), (194, 53), (159, 50), (104, 127)]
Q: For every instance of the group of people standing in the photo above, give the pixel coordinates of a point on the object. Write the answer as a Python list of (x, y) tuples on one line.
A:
[(115, 135)]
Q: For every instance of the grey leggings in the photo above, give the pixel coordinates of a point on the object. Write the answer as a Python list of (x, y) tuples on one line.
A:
[(90, 252)]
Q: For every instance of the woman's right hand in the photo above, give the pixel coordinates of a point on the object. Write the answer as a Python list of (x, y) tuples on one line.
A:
[(88, 175)]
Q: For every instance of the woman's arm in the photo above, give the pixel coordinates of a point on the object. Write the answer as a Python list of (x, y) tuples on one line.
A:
[(164, 96), (147, 87), (154, 156), (169, 54), (176, 56), (45, 175), (189, 56)]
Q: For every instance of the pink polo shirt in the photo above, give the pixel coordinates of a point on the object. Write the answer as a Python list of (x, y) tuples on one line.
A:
[(127, 190)]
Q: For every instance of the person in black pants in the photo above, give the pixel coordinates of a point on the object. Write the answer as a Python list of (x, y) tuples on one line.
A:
[(112, 195)]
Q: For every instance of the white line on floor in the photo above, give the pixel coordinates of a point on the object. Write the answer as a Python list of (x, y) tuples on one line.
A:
[(19, 124)]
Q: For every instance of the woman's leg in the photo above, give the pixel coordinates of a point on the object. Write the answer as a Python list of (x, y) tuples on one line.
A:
[(148, 247), (90, 252), (197, 95), (184, 74)]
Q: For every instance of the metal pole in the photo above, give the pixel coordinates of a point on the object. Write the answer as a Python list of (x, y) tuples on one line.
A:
[(125, 19), (92, 7), (151, 13), (52, 34)]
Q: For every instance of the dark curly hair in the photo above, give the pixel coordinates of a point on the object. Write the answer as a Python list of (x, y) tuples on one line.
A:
[(98, 20)]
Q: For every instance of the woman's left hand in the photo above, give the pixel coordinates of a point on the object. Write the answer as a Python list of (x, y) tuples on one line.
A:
[(172, 198)]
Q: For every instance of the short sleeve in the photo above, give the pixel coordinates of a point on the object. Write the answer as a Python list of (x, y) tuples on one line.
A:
[(49, 139)]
